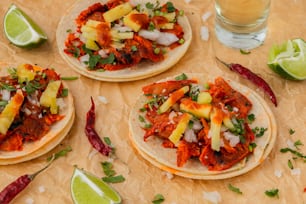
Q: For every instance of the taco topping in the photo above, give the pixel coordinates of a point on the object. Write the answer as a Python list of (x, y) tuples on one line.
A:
[(30, 99), (209, 123), (117, 35)]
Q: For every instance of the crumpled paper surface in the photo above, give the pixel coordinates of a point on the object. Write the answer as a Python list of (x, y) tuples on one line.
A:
[(143, 180)]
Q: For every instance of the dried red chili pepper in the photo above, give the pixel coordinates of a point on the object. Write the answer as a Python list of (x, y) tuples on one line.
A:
[(254, 78), (91, 133), (14, 188)]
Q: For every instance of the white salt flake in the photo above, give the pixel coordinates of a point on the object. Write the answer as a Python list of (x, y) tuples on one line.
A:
[(213, 197), (187, 1), (168, 175), (204, 33), (206, 16), (278, 173), (102, 99), (296, 171)]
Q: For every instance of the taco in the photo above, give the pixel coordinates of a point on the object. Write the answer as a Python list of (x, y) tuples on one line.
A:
[(121, 40), (36, 112), (202, 128)]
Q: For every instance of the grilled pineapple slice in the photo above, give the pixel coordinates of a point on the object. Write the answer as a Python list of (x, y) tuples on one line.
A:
[(25, 73), (10, 111), (180, 129), (216, 118), (117, 12), (48, 97), (128, 21), (198, 110)]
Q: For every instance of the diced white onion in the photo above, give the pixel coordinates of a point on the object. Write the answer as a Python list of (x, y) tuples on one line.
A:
[(290, 144), (84, 59), (102, 99), (278, 173), (103, 53), (233, 139), (61, 103), (168, 175), (166, 38), (121, 28), (204, 33), (41, 189), (150, 35), (190, 136), (235, 109), (197, 125), (213, 197), (172, 114), (6, 95), (29, 201), (296, 171), (206, 15), (27, 111)]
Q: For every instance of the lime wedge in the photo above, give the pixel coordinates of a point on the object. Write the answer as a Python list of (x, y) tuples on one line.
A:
[(289, 59), (21, 30), (88, 189)]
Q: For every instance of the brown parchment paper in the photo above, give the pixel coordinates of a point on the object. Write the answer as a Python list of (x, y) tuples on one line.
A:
[(143, 180)]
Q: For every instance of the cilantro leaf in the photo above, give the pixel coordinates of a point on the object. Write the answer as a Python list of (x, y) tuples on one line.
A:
[(109, 60), (113, 179), (158, 198), (234, 189), (272, 193), (108, 169), (181, 77), (170, 7), (61, 153)]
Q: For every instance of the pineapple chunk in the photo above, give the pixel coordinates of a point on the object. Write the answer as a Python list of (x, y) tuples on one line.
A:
[(204, 98), (92, 23), (91, 44), (8, 114), (216, 118), (180, 129), (25, 72), (117, 36), (127, 21), (88, 29), (90, 36), (228, 123), (198, 110), (173, 98), (48, 97), (167, 26), (117, 12), (170, 16)]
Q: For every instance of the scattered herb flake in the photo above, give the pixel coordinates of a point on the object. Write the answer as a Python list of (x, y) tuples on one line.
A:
[(107, 141), (7, 87), (251, 118), (259, 132), (252, 146), (69, 78), (158, 198), (234, 189), (108, 169), (114, 179), (149, 5), (245, 52), (68, 30), (272, 193), (12, 72), (64, 92), (181, 77), (170, 7), (59, 154), (291, 131), (298, 154), (141, 118), (297, 144), (109, 60), (290, 165)]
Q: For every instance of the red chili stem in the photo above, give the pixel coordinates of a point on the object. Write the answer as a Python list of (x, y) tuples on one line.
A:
[(91, 133), (14, 188), (254, 78)]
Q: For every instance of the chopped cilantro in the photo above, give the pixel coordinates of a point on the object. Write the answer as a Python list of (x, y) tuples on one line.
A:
[(110, 173), (170, 7), (7, 87), (190, 124), (296, 153), (251, 118), (291, 131), (109, 60), (142, 109), (298, 143), (157, 50), (32, 86), (134, 48), (234, 189), (252, 146), (93, 61), (158, 198), (245, 52), (3, 103), (107, 141), (68, 30), (290, 165), (259, 132), (149, 5), (113, 179), (181, 12), (151, 26), (65, 92), (13, 73), (147, 125), (141, 118), (181, 41), (272, 193), (69, 78), (239, 127), (181, 77), (61, 153), (194, 92)]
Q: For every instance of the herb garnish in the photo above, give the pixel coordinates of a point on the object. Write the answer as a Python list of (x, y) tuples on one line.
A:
[(110, 173), (69, 78), (7, 87), (251, 118), (61, 153), (64, 92), (3, 103), (291, 131), (290, 165), (158, 198), (297, 144), (296, 153), (245, 52), (252, 146), (234, 189), (31, 86), (181, 77), (259, 132), (170, 7), (272, 193), (109, 60)]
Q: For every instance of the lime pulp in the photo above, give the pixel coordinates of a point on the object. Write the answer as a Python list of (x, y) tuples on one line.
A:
[(88, 189), (289, 59), (21, 30)]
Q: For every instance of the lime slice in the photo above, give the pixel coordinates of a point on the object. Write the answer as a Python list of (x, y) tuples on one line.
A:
[(289, 59), (88, 189), (21, 30)]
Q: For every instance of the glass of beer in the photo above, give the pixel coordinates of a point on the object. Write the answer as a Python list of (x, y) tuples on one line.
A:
[(241, 24)]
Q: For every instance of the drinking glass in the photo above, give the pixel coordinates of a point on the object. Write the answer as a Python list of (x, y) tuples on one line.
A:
[(241, 24)]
